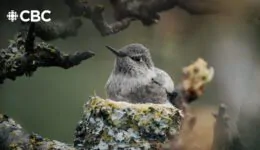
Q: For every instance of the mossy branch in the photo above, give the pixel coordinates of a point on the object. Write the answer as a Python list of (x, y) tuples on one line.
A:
[(108, 124), (13, 137), (23, 56)]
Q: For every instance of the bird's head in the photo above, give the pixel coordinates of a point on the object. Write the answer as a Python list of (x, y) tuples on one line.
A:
[(133, 60)]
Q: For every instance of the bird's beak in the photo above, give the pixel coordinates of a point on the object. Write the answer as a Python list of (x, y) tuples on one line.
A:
[(119, 54)]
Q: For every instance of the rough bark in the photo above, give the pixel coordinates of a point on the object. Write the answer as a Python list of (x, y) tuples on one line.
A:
[(95, 14), (146, 11), (23, 56), (13, 137)]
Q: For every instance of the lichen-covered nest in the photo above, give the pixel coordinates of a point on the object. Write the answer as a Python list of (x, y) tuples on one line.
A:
[(107, 124)]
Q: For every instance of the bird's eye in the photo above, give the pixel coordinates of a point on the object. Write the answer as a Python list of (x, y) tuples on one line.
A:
[(138, 59)]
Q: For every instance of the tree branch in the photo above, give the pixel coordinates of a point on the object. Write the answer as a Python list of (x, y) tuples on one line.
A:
[(13, 137), (103, 27), (95, 14), (23, 57), (225, 137), (53, 30), (126, 11), (57, 29), (200, 7)]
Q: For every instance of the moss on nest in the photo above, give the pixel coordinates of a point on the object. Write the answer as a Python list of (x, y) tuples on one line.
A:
[(107, 124)]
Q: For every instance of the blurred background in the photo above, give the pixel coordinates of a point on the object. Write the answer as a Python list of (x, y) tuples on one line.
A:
[(50, 103)]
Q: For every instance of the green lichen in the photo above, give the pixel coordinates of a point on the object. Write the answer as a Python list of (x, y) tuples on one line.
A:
[(23, 58), (108, 124)]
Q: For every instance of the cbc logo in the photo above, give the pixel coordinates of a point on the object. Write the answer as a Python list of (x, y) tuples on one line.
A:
[(29, 16)]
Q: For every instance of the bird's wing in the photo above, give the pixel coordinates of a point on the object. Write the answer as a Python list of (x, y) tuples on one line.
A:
[(164, 80), (148, 93)]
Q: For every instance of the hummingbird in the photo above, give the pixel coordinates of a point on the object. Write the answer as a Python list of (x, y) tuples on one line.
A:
[(135, 79)]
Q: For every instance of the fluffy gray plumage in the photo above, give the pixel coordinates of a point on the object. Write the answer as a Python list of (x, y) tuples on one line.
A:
[(135, 79)]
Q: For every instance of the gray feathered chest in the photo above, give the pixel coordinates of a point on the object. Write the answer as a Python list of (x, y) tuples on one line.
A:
[(150, 87)]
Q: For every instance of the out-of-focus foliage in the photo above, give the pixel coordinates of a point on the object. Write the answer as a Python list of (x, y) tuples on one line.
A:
[(196, 76)]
